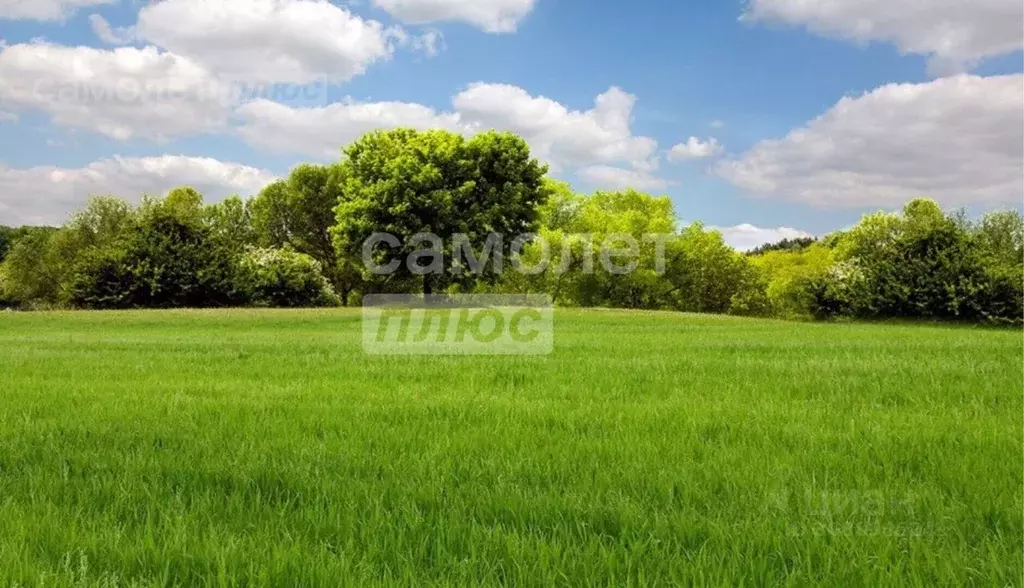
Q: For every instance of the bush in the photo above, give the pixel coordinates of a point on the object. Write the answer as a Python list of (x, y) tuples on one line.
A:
[(102, 280), (284, 278), (7, 299), (836, 292), (165, 259), (928, 264), (31, 272), (794, 279)]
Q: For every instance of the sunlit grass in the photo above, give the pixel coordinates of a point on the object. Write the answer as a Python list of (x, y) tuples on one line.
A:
[(264, 448)]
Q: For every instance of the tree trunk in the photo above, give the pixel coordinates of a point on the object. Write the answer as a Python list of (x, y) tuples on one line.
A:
[(428, 289)]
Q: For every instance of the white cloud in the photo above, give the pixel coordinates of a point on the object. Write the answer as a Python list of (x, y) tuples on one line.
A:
[(148, 93), (431, 43), (493, 16), (717, 124), (959, 140), (957, 34), (745, 237), (567, 139), (122, 94), (47, 194), (606, 177), (286, 41), (322, 132), (44, 9), (8, 116), (694, 148), (108, 34)]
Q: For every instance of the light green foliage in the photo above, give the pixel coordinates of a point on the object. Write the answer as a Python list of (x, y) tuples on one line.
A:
[(184, 203), (698, 271), (405, 182), (102, 221), (1000, 241), (262, 448), (562, 207), (299, 212), (920, 263), (577, 228), (1001, 237), (284, 278), (271, 215), (315, 191), (789, 275), (230, 224), (31, 272), (706, 275)]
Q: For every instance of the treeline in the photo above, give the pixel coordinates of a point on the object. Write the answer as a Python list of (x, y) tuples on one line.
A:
[(299, 242)]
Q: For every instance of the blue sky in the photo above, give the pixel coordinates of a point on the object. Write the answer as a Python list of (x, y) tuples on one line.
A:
[(803, 115)]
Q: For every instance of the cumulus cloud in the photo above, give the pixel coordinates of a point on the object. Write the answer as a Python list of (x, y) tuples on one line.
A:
[(124, 93), (129, 92), (606, 177), (745, 237), (563, 137), (567, 139), (694, 148), (285, 41), (959, 140), (109, 34), (48, 194), (493, 16), (44, 10), (956, 34), (322, 132)]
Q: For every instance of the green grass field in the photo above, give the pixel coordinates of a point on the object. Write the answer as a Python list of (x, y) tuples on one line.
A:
[(263, 448)]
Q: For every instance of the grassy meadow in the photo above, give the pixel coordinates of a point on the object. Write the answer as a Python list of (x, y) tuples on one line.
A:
[(263, 448)]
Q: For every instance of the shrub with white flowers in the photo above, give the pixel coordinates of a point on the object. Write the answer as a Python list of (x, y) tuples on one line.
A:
[(284, 278)]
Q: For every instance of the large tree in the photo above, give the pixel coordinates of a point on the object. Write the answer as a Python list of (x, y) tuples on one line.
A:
[(298, 212), (406, 184)]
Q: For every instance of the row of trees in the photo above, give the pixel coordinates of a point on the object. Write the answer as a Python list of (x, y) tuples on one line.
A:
[(163, 253), (300, 242), (922, 263)]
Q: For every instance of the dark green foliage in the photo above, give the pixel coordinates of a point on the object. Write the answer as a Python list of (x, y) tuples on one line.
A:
[(284, 278), (9, 237), (175, 264), (102, 279), (925, 264), (169, 259), (798, 244), (298, 213)]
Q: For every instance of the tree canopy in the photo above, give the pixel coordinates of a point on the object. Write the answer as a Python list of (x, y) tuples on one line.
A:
[(427, 205), (410, 184)]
